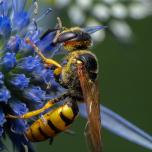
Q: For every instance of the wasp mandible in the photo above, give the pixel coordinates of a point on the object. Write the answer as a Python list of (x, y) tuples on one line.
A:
[(78, 74)]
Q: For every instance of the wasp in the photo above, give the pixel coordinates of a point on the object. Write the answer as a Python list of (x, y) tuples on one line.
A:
[(78, 74)]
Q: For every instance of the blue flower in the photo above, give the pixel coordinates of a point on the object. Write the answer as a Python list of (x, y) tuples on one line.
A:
[(5, 26), (19, 81), (13, 44), (19, 108), (28, 64), (34, 94), (8, 61), (23, 77), (4, 94)]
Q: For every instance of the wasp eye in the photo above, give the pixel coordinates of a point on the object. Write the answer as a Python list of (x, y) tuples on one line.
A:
[(66, 36)]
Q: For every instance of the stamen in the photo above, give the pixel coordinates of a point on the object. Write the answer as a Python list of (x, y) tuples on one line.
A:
[(35, 24), (36, 7), (45, 13)]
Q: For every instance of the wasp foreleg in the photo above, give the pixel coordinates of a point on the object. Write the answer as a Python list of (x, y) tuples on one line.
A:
[(49, 62)]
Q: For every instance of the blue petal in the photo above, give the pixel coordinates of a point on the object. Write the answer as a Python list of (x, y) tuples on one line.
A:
[(48, 76), (20, 20), (5, 26), (4, 95), (4, 7), (13, 44), (121, 127), (18, 107), (18, 5), (8, 61), (34, 94), (20, 141), (19, 81), (46, 42), (28, 63), (1, 79), (44, 76), (33, 35), (2, 118)]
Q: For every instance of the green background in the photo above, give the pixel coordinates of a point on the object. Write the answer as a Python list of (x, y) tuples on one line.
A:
[(125, 82)]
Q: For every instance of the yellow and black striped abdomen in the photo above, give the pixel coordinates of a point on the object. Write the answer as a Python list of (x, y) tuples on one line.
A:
[(52, 123)]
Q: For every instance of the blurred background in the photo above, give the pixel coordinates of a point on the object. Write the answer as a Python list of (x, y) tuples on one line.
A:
[(124, 53)]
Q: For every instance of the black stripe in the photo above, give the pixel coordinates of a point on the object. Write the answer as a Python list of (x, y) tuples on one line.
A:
[(33, 137), (56, 130), (43, 133), (74, 106), (65, 119)]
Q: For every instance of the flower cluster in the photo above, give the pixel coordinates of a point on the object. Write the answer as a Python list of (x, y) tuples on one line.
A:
[(25, 84), (113, 13)]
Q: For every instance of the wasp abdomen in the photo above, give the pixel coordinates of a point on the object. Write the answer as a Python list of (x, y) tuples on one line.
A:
[(52, 123)]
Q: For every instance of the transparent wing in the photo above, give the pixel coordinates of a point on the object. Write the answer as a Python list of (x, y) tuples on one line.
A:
[(121, 127), (91, 99)]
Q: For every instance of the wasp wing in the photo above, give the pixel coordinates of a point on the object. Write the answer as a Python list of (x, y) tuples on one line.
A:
[(91, 98)]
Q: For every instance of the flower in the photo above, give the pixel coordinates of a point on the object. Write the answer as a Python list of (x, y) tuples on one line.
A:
[(23, 77)]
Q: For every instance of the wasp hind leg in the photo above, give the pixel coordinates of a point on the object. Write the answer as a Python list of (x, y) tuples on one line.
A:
[(69, 132), (51, 139), (49, 62), (48, 105)]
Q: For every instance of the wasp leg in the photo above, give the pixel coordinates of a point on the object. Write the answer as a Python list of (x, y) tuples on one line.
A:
[(48, 105), (51, 140), (70, 132), (47, 61)]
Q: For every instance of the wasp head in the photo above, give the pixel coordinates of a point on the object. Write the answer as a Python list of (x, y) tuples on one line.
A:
[(77, 38), (74, 39)]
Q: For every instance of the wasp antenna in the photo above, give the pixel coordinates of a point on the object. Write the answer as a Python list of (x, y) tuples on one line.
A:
[(59, 22), (59, 26)]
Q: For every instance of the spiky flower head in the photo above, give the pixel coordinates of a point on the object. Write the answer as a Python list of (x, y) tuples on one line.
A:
[(23, 77)]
